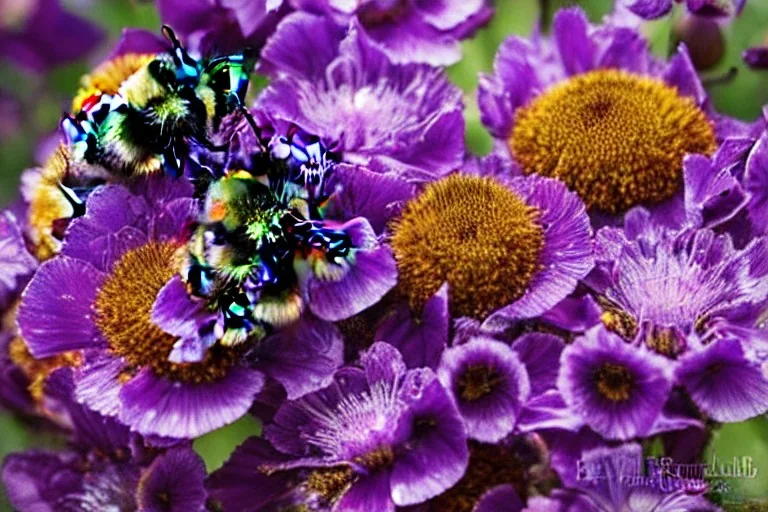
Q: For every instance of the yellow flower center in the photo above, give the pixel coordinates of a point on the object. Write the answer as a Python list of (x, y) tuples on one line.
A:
[(330, 483), (614, 382), (47, 204), (37, 371), (474, 233), (123, 312), (615, 138)]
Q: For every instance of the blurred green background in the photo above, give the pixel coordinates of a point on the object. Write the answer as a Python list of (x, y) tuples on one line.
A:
[(44, 98)]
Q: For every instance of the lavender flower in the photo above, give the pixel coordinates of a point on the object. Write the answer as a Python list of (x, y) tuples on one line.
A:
[(379, 436), (401, 119), (692, 297), (567, 107), (105, 468)]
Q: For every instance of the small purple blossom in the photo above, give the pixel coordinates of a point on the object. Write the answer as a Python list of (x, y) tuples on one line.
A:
[(616, 389), (105, 467), (391, 436), (692, 297)]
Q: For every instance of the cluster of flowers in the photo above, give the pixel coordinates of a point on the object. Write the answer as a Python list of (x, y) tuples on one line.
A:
[(417, 328)]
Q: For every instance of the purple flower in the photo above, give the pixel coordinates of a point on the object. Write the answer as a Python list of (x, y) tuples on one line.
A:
[(379, 436), (568, 107), (409, 30), (97, 297), (652, 9), (618, 390), (105, 468), (46, 36), (402, 119), (217, 27), (694, 298), (493, 383), (508, 249)]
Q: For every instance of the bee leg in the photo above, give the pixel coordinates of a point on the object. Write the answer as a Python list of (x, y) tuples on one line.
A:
[(235, 100), (174, 158)]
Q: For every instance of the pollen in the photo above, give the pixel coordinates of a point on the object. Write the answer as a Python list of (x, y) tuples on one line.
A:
[(123, 310), (38, 370), (330, 483), (614, 138), (614, 382), (473, 233), (108, 77), (47, 204), (478, 381)]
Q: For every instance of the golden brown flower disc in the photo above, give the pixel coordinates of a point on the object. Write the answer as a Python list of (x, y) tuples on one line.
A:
[(615, 138), (123, 314), (473, 233)]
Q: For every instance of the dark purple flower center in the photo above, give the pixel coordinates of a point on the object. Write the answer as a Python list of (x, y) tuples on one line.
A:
[(123, 314), (614, 382), (474, 233), (616, 139), (478, 381), (378, 12)]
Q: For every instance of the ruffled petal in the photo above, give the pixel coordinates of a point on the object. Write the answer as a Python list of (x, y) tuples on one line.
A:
[(56, 311), (420, 340), (157, 406), (724, 383), (302, 357), (174, 481), (370, 276)]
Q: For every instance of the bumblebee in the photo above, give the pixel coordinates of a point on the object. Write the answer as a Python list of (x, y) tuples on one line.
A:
[(141, 122), (245, 253)]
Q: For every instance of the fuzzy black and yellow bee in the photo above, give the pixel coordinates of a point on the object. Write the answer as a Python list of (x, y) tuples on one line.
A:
[(139, 117)]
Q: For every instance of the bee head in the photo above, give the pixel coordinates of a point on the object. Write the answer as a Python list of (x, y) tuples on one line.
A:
[(187, 69)]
